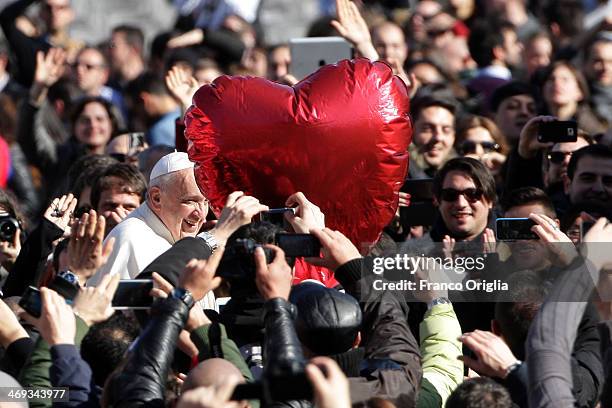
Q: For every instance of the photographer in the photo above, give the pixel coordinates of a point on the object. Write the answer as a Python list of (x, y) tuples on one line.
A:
[(10, 235)]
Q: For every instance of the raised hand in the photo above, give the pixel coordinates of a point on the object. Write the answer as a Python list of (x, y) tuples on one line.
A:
[(238, 211), (493, 356), (528, 141), (60, 211), (199, 278), (351, 25), (489, 245), (273, 280), (86, 252), (596, 244), (49, 67), (197, 317), (182, 85), (10, 329), (336, 249), (56, 323), (561, 247), (331, 387), (307, 215), (94, 304)]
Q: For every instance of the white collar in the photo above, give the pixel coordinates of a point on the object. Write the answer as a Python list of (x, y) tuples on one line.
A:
[(147, 215)]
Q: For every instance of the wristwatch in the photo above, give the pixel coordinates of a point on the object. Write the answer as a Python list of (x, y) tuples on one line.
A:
[(210, 241), (438, 301), (184, 295), (70, 277), (515, 366)]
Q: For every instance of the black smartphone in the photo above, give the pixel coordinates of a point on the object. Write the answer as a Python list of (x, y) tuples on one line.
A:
[(133, 294), (296, 245), (558, 131), (514, 229), (276, 216), (421, 210), (419, 189), (31, 302)]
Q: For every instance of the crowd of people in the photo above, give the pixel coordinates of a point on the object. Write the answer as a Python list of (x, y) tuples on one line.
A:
[(96, 189)]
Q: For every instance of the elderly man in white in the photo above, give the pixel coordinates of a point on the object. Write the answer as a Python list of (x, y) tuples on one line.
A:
[(174, 209)]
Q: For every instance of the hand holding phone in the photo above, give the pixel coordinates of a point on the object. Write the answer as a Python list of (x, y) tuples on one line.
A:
[(307, 215), (94, 304)]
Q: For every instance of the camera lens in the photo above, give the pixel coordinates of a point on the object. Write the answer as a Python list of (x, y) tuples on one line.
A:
[(7, 230)]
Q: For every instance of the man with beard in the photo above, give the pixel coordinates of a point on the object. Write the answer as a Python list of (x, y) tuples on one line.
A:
[(589, 176)]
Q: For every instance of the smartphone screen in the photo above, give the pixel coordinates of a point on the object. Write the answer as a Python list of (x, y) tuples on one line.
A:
[(514, 229), (296, 245), (133, 294)]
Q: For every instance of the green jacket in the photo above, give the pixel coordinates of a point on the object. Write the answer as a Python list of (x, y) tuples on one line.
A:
[(440, 349), (35, 372)]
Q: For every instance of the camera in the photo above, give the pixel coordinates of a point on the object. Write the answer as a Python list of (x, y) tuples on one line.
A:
[(238, 261), (8, 228)]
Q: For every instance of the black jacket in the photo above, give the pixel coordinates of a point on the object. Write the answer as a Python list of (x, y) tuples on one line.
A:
[(141, 382), (171, 263)]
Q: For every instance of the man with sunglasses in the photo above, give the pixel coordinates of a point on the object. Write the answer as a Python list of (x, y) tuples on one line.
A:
[(465, 194)]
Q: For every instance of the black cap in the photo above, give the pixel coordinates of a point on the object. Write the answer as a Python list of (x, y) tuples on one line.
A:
[(509, 90), (328, 320)]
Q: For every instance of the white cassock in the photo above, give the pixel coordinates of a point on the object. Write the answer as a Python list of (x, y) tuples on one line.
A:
[(139, 239)]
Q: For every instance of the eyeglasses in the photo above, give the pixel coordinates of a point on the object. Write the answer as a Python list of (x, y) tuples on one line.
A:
[(87, 66), (558, 157), (470, 194), (470, 147)]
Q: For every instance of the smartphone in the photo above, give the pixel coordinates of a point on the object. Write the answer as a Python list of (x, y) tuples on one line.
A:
[(421, 210), (515, 229), (133, 294), (276, 216), (296, 245), (31, 302), (419, 189), (309, 54), (558, 131)]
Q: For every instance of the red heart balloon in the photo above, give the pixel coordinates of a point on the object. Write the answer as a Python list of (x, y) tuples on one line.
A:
[(340, 136)]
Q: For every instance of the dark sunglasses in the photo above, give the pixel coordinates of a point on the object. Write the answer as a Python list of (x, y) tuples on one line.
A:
[(469, 147), (451, 194), (558, 157)]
